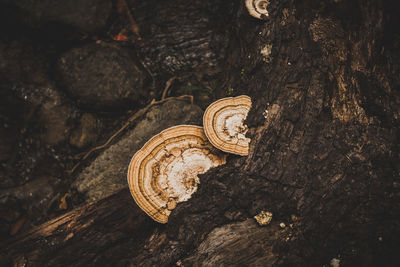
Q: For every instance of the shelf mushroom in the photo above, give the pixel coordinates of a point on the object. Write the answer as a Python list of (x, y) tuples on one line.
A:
[(257, 8), (164, 171), (223, 123)]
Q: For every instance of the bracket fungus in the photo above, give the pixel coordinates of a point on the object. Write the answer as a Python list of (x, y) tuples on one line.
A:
[(223, 123), (164, 171), (257, 8)]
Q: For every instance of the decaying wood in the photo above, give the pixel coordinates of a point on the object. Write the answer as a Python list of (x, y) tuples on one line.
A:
[(77, 237), (181, 35), (254, 250)]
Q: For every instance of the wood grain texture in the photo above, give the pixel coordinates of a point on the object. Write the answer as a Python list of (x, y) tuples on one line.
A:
[(76, 237)]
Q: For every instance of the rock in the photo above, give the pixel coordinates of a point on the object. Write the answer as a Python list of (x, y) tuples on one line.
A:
[(35, 118), (13, 112), (33, 113), (22, 63), (23, 69), (86, 15), (40, 191), (10, 208), (7, 141), (53, 111), (87, 132), (107, 173), (237, 244), (54, 115), (4, 231), (101, 75)]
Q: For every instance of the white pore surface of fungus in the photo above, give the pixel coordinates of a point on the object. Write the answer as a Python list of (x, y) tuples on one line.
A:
[(230, 125), (179, 177)]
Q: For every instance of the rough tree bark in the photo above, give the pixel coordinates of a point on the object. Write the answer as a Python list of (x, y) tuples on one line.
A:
[(324, 156)]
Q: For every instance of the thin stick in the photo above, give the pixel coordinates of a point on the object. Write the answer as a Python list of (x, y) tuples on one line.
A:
[(167, 86), (138, 114)]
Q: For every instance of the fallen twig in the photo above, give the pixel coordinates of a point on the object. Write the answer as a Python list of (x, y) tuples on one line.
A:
[(167, 86), (138, 114)]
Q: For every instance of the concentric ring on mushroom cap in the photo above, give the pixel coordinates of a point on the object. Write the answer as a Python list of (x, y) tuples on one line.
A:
[(164, 171), (223, 123), (257, 8)]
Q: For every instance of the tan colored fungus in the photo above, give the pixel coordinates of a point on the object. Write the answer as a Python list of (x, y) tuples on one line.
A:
[(223, 123), (263, 218), (257, 8), (164, 171)]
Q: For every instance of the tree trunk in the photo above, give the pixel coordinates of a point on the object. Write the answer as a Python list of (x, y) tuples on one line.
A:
[(324, 158)]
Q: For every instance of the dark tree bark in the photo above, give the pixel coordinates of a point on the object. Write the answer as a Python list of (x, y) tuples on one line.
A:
[(324, 156), (79, 236)]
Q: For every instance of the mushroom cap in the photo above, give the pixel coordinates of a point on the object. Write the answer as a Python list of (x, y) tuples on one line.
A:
[(257, 8), (164, 171), (223, 123)]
